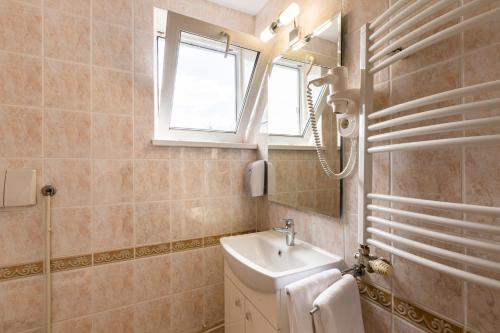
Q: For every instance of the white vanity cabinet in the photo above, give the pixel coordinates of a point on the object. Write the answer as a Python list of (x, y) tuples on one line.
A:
[(241, 316), (249, 311)]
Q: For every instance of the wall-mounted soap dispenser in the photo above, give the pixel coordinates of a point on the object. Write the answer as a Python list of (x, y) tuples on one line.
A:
[(17, 188), (255, 178)]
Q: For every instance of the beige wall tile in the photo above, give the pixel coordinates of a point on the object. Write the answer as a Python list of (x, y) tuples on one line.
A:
[(402, 326), (21, 132), (21, 28), (71, 231), (112, 46), (482, 35), (154, 316), (488, 70), (21, 237), (481, 175), (426, 82), (375, 319), (120, 320), (21, 304), (433, 290), (152, 180), (71, 294), (214, 304), (144, 45), (22, 80), (66, 37), (120, 292), (81, 325), (187, 309), (152, 223), (245, 214), (78, 7), (328, 234), (435, 174), (218, 216), (358, 12), (113, 228), (213, 265), (217, 178), (143, 14), (143, 134), (67, 86), (66, 134), (73, 180), (483, 308), (189, 180), (187, 270), (113, 11), (152, 277), (434, 54), (111, 91), (112, 136), (144, 95), (238, 170), (113, 181), (187, 219)]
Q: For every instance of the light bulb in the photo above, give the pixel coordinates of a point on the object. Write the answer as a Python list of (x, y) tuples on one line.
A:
[(267, 34), (289, 14)]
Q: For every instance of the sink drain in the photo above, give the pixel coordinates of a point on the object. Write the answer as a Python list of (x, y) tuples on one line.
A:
[(279, 253)]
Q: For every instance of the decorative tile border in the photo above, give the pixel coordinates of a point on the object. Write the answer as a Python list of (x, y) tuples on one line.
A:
[(213, 240), (64, 264), (152, 250), (20, 271), (424, 319), (376, 295), (113, 256), (415, 315), (189, 244), (106, 257)]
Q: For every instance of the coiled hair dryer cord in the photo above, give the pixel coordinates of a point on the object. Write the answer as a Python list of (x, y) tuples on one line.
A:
[(317, 141)]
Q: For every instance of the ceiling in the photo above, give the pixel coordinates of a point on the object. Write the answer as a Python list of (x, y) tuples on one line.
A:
[(250, 7)]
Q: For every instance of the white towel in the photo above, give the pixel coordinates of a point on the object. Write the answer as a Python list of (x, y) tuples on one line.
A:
[(339, 308), (301, 295)]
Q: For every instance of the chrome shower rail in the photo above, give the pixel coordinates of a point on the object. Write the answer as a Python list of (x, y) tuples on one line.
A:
[(404, 29)]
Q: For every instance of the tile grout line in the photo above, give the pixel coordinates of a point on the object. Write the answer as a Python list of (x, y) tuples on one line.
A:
[(465, 284), (134, 211), (92, 180)]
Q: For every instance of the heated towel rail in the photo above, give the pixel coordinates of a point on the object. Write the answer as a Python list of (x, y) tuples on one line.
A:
[(404, 29)]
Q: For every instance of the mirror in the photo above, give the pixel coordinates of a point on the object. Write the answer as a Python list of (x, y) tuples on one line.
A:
[(296, 177)]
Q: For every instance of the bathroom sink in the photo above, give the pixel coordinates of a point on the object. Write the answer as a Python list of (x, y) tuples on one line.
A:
[(265, 263)]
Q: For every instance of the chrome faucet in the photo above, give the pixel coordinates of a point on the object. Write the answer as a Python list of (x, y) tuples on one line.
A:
[(289, 230)]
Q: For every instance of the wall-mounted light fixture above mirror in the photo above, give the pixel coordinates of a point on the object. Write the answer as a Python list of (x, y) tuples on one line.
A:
[(296, 178), (285, 18)]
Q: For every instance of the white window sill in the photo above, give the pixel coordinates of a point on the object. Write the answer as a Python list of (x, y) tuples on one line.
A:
[(293, 147), (202, 144)]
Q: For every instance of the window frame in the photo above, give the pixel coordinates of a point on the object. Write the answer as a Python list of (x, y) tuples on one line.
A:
[(176, 24), (305, 137)]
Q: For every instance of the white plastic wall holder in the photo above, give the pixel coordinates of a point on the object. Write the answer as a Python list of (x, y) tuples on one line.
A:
[(255, 178), (19, 188)]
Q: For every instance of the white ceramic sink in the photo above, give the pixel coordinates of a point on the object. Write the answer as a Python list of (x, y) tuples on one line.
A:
[(265, 263)]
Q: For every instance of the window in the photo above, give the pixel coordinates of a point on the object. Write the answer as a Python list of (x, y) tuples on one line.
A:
[(287, 100), (207, 79)]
